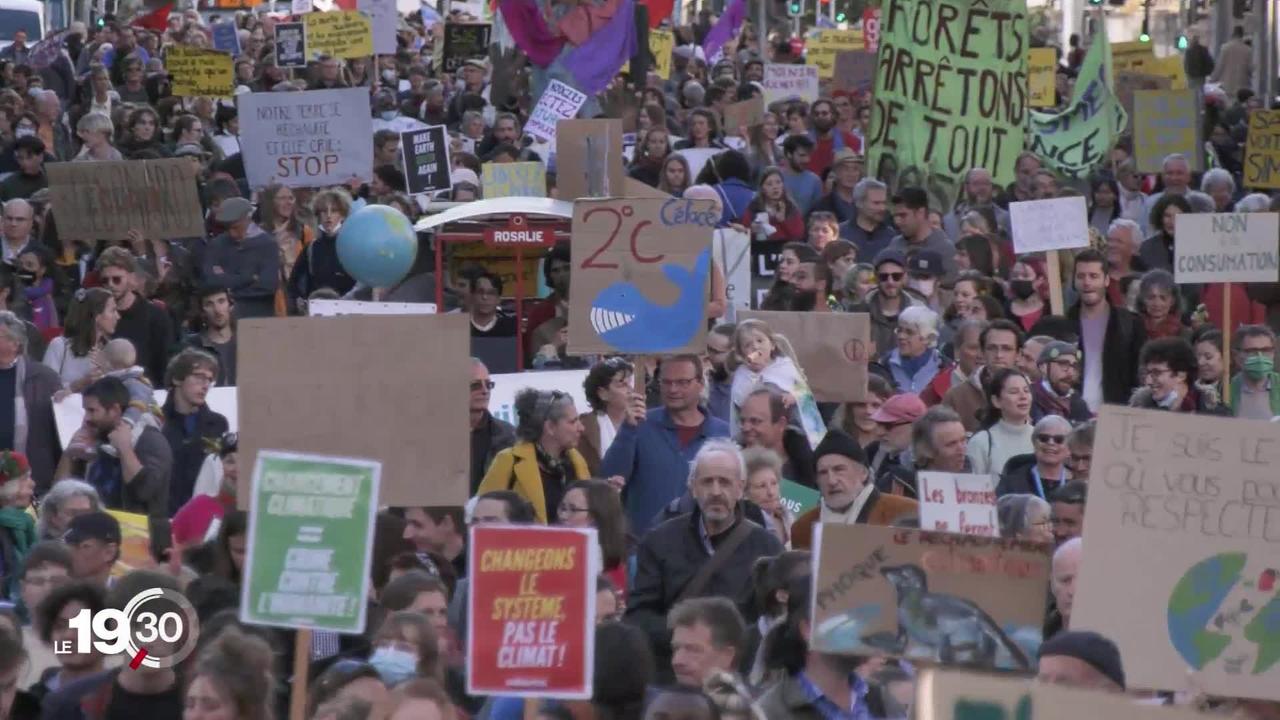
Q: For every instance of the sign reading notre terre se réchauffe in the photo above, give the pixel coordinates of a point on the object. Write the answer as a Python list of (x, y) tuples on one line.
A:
[(951, 93)]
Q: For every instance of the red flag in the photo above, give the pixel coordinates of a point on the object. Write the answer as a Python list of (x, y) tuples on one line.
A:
[(659, 10), (157, 20)]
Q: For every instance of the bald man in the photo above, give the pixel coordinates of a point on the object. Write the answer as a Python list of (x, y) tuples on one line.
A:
[(1062, 582), (19, 217)]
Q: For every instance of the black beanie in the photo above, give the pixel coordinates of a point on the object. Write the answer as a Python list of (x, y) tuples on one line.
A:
[(838, 442), (1088, 647)]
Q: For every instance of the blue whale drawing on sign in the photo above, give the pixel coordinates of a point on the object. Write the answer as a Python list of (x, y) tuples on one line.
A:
[(623, 317)]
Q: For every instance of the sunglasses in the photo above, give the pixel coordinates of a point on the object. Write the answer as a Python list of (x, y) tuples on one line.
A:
[(894, 276), (477, 385), (1048, 439)]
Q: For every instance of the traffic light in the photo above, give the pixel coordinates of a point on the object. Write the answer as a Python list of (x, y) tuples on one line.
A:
[(795, 8), (1095, 2), (841, 16), (1182, 42), (1144, 37)]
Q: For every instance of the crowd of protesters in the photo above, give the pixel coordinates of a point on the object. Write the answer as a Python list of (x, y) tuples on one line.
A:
[(704, 600)]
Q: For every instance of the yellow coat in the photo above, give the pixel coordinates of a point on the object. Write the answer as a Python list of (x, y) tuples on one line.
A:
[(516, 469)]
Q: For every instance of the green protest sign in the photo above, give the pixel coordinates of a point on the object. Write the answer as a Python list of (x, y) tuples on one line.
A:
[(1077, 140), (310, 538), (797, 498), (951, 93)]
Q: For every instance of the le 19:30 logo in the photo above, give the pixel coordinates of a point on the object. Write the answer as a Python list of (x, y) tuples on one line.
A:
[(156, 629)]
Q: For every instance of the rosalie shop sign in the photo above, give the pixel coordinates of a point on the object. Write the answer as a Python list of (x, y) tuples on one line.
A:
[(951, 93)]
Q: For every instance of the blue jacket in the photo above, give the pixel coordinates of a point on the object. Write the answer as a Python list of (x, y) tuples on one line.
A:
[(654, 465), (735, 195)]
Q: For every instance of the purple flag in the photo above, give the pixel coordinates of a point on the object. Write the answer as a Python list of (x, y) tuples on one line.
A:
[(47, 50), (595, 62), (530, 31), (724, 30)]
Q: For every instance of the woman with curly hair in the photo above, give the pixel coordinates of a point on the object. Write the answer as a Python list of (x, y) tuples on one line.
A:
[(233, 678)]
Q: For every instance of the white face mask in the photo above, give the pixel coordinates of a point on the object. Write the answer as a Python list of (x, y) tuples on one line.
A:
[(923, 286), (24, 132)]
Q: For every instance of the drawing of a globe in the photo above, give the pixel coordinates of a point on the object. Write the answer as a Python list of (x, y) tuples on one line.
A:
[(1195, 601)]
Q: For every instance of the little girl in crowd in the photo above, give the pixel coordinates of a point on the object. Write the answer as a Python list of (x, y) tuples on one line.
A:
[(762, 357)]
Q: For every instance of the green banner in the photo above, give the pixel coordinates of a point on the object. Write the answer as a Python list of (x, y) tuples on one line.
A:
[(951, 93), (1077, 140), (310, 539), (798, 498)]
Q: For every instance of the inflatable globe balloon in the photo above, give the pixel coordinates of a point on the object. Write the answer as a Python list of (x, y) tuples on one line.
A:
[(377, 245)]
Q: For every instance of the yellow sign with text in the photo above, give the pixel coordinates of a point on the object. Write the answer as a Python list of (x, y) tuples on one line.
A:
[(1262, 150), (347, 34), (823, 49), (199, 72), (662, 43), (1131, 56), (1041, 64)]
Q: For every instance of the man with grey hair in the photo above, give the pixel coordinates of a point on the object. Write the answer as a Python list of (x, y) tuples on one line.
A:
[(49, 113), (976, 191), (1255, 392), (1254, 203), (708, 552), (1175, 173), (869, 229), (26, 403), (489, 435), (1221, 186), (64, 501), (1062, 583)]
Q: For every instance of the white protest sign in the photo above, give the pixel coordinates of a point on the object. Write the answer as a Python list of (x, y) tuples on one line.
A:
[(68, 415), (788, 82), (306, 139), (383, 18), (697, 159), (731, 250), (1055, 224), (958, 503), (332, 308), (1226, 247), (300, 6), (558, 102), (502, 398)]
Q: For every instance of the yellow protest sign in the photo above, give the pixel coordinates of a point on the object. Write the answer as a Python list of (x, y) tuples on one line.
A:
[(1262, 150), (1165, 122), (662, 43), (1131, 56), (347, 34), (1041, 63), (1170, 67), (823, 49), (197, 71), (135, 542)]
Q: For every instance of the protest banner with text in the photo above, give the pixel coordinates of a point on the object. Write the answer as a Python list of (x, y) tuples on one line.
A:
[(1262, 150), (294, 397), (306, 139), (197, 71), (790, 82), (531, 614), (822, 50), (662, 44), (1077, 140), (1054, 224), (224, 37), (426, 159), (1165, 122), (928, 597), (833, 349), (1226, 247), (558, 102), (383, 22), (310, 541), (520, 179), (463, 42), (641, 268), (105, 200), (344, 34), (1202, 495), (951, 93), (291, 45), (1041, 64), (731, 250), (958, 503)]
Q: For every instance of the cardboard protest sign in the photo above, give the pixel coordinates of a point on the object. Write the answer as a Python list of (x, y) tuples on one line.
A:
[(958, 695), (1041, 64), (662, 45), (343, 34), (383, 21), (589, 159), (426, 159), (1262, 150), (641, 269), (197, 71), (523, 179), (731, 250), (291, 45), (225, 37), (855, 70), (1226, 247), (334, 308), (833, 349), (821, 51), (929, 133), (355, 403), (310, 541), (531, 614), (105, 200), (306, 139), (958, 503), (1201, 494), (928, 596), (463, 42), (1165, 122), (1128, 83), (745, 114), (790, 82), (558, 102), (1054, 224), (1076, 141)]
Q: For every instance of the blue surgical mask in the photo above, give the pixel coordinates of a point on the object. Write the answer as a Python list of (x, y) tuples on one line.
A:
[(394, 665), (388, 115)]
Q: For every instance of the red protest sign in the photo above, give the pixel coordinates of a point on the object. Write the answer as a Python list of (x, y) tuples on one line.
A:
[(531, 611)]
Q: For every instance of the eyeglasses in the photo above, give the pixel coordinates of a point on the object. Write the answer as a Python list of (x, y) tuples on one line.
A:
[(1153, 373), (1080, 459), (888, 276), (478, 385), (1048, 439), (1247, 352), (115, 279), (566, 510)]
